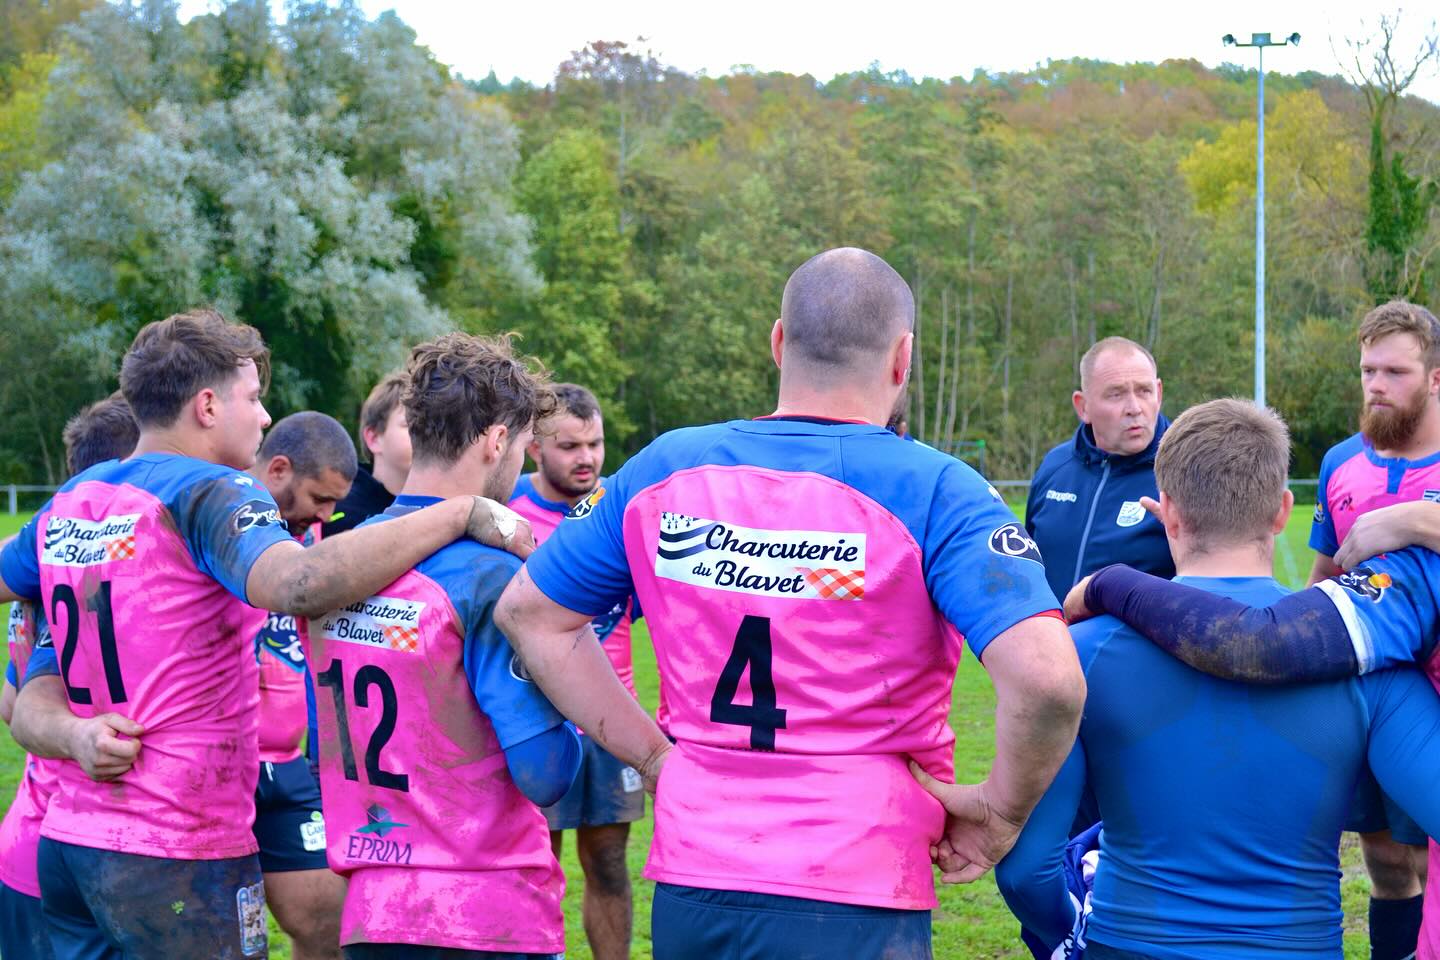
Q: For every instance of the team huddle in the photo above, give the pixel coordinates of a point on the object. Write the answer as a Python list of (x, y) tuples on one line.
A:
[(250, 671)]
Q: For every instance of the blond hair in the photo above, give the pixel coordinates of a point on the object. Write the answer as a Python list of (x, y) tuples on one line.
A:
[(1224, 464)]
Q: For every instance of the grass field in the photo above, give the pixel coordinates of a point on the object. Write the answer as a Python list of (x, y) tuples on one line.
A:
[(972, 922)]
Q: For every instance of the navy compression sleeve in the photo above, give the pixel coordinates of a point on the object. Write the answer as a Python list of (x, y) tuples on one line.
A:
[(1300, 638), (545, 765)]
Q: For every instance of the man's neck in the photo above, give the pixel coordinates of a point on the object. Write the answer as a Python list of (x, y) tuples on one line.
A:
[(170, 441), (1424, 442), (455, 480), (390, 478), (547, 490), (1245, 560)]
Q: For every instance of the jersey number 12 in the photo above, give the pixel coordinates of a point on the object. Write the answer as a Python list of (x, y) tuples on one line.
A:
[(366, 677)]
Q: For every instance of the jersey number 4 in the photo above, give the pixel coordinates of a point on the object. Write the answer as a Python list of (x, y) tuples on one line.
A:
[(366, 677), (752, 649)]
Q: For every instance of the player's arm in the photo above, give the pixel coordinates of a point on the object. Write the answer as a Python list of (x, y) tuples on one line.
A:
[(7, 696), (309, 582), (105, 746), (1032, 877), (1324, 568), (1404, 728), (559, 650), (1039, 694), (19, 565), (1385, 615), (1389, 529), (542, 751)]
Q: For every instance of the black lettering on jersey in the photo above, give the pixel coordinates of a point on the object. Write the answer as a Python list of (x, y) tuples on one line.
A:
[(1011, 540), (256, 513)]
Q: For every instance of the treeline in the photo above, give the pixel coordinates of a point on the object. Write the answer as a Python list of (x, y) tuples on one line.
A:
[(326, 180)]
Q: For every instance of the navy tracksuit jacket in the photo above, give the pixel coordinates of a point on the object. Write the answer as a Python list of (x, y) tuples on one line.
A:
[(1084, 511)]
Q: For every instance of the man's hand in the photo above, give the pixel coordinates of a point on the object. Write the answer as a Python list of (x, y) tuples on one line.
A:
[(977, 836), (105, 746), (496, 525), (1390, 528), (1075, 609)]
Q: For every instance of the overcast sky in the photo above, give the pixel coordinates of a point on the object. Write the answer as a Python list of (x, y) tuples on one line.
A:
[(939, 39)]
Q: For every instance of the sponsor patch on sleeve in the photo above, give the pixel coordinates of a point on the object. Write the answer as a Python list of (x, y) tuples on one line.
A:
[(584, 508), (254, 513), (1011, 540), (1367, 583), (799, 564)]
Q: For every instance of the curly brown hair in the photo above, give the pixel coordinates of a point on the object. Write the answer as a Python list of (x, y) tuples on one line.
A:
[(173, 359), (461, 384)]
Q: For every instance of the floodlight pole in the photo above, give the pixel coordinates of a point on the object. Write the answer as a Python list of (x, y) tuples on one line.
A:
[(1260, 41)]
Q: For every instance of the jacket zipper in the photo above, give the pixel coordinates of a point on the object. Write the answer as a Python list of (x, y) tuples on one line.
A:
[(1089, 521)]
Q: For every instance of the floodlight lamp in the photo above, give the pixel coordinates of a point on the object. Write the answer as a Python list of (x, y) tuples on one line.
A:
[(1294, 38), (1228, 39), (1259, 39)]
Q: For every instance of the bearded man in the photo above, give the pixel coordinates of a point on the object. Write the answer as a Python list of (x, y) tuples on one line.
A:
[(1395, 458)]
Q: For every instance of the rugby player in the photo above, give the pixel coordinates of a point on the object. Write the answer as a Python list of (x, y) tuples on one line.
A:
[(104, 430), (607, 796), (306, 463), (435, 745), (807, 578), (145, 567), (1251, 785), (1394, 458), (384, 437)]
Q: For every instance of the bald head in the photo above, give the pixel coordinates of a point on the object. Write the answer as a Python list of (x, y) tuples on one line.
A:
[(844, 307)]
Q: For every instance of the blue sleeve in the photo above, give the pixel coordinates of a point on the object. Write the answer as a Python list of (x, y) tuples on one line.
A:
[(1322, 528), (502, 687), (42, 662), (20, 561), (1301, 637), (228, 522), (544, 766), (1389, 607), (11, 677), (583, 566), (1404, 728), (982, 569), (1032, 877)]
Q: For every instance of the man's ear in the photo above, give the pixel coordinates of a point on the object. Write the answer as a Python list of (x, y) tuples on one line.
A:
[(1282, 517), (497, 438), (278, 472), (777, 341), (371, 436), (1170, 516), (900, 357), (1077, 399), (206, 407)]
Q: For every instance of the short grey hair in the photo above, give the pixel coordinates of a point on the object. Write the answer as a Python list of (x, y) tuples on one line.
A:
[(1092, 356)]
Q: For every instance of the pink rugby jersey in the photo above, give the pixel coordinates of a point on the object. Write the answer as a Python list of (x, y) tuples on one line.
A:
[(1429, 947), (613, 627), (807, 584), (1354, 480), (20, 832), (281, 660), (140, 566), (418, 694)]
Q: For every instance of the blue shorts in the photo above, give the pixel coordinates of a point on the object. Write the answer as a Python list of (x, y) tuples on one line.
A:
[(1372, 810), (1098, 951), (688, 923), (605, 791), (288, 823), (23, 932), (409, 951), (103, 905)]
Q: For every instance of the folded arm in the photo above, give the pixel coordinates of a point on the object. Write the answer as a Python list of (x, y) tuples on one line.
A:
[(561, 654)]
